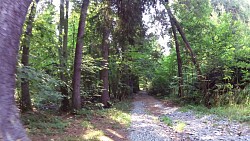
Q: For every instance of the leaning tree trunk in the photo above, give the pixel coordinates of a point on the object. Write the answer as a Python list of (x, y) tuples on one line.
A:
[(76, 99), (201, 79), (25, 103), (179, 62), (12, 16), (187, 45)]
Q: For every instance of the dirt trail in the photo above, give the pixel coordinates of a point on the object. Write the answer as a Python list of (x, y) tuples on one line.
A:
[(148, 113)]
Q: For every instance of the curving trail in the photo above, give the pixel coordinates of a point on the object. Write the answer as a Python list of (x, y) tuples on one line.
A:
[(147, 124)]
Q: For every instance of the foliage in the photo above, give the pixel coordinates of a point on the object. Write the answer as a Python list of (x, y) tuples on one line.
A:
[(162, 82), (218, 32), (93, 135), (44, 124), (43, 88), (130, 51), (233, 112), (87, 125), (219, 40), (91, 85), (145, 56), (119, 113), (167, 120), (52, 126)]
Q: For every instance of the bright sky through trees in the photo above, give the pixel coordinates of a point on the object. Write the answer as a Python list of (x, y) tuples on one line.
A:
[(155, 28)]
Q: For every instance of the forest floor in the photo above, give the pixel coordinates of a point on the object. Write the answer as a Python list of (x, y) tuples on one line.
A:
[(144, 119), (88, 125)]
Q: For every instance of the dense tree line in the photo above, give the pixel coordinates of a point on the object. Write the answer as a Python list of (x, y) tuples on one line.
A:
[(218, 34), (104, 65), (97, 52)]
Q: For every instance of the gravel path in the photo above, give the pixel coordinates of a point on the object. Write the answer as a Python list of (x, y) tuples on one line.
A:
[(147, 125)]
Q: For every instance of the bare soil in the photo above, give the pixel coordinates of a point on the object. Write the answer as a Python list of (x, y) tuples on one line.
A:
[(113, 131)]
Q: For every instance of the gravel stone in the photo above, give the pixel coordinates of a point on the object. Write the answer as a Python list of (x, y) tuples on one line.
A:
[(148, 127)]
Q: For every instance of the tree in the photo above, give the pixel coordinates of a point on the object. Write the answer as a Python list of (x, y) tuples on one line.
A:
[(63, 40), (43, 70), (179, 62), (105, 56), (25, 103), (128, 34), (12, 16), (76, 99), (202, 81)]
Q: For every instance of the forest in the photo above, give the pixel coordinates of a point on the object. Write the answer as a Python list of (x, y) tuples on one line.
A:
[(75, 69)]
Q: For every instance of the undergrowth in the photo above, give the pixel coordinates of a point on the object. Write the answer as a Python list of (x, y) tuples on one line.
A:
[(120, 113), (44, 123), (56, 127), (239, 113), (167, 121), (177, 126)]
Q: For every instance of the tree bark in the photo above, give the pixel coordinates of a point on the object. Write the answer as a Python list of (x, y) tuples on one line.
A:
[(65, 36), (179, 62), (12, 16), (104, 71), (25, 103), (64, 53), (136, 84), (76, 99)]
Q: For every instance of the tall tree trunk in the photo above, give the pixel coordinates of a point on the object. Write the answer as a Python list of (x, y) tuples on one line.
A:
[(64, 53), (76, 99), (104, 71), (179, 62), (25, 103), (65, 36), (136, 85), (12, 16)]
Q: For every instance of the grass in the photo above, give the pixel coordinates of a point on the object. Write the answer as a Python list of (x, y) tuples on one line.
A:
[(87, 125), (119, 113), (167, 121), (239, 113), (93, 135), (91, 124), (179, 126), (116, 117), (236, 112), (40, 123)]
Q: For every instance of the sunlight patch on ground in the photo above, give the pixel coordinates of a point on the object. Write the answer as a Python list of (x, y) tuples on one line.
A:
[(93, 135), (179, 127), (87, 124), (105, 138), (207, 138), (120, 117), (115, 133), (170, 110), (158, 105), (165, 109)]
